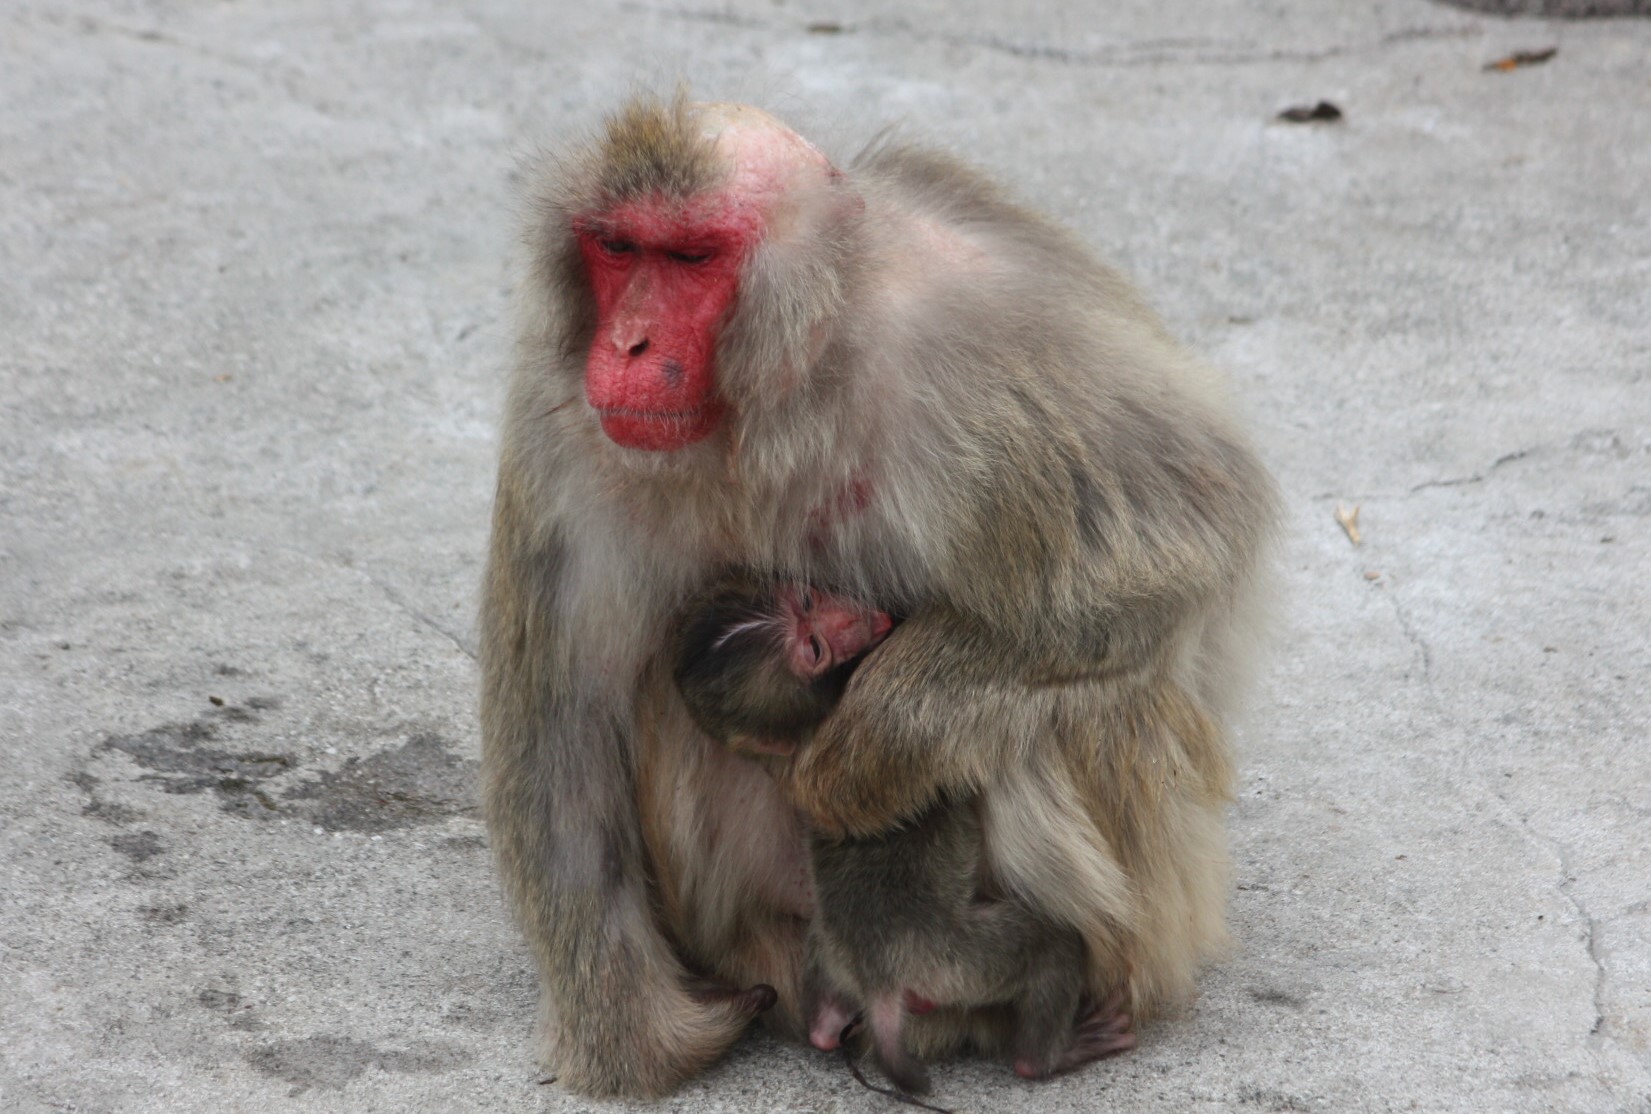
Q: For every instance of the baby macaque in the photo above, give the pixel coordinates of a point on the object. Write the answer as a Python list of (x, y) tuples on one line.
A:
[(762, 663), (906, 922)]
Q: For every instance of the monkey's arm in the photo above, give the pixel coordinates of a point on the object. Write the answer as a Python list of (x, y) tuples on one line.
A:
[(938, 706), (1087, 558), (559, 795)]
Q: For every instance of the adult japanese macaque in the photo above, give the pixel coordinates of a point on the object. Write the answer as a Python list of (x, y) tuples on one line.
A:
[(887, 378), (906, 922)]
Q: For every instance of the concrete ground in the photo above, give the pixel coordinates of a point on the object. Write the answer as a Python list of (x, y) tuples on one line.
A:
[(252, 291)]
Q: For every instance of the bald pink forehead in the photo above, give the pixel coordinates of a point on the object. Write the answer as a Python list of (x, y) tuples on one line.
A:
[(773, 179), (767, 160)]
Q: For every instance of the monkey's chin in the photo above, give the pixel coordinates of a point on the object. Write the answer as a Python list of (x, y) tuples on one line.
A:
[(661, 432)]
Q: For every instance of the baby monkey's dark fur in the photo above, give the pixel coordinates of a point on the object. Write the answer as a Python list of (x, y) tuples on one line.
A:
[(732, 672), (907, 921)]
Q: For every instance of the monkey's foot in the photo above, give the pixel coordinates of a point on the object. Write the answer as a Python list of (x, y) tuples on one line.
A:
[(834, 1020), (1104, 1031), (660, 1036), (903, 1070)]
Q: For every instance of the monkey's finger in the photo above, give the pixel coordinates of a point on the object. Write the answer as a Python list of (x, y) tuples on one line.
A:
[(1088, 1046), (752, 1000), (1111, 1018), (759, 998), (1110, 1025), (1098, 1036)]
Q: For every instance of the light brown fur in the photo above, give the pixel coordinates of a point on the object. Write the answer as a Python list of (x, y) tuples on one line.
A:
[(936, 399)]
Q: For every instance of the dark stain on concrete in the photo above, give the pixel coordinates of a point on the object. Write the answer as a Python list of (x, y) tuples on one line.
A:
[(1268, 1099), (163, 914), (329, 1063), (140, 847), (232, 1007), (181, 760), (418, 782), (96, 807), (1273, 996), (219, 1001)]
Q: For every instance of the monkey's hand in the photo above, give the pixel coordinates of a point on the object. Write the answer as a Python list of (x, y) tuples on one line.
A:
[(935, 708)]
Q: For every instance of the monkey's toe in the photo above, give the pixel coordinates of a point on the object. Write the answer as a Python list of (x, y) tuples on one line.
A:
[(752, 1000), (1103, 1033), (1033, 1069), (757, 999), (834, 1023), (1108, 1020)]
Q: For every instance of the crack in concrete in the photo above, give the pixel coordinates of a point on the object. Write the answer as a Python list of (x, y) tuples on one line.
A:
[(703, 15), (401, 602), (288, 79), (1191, 52), (1477, 477), (89, 25), (1598, 1030), (404, 605), (1414, 637), (1150, 52), (1454, 481)]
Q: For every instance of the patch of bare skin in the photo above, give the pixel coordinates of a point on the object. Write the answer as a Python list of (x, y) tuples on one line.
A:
[(928, 250), (767, 158), (952, 248)]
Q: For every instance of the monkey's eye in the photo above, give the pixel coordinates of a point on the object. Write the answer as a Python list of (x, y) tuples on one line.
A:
[(618, 247), (690, 256), (816, 650)]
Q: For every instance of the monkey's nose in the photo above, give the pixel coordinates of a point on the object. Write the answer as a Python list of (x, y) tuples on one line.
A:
[(630, 334)]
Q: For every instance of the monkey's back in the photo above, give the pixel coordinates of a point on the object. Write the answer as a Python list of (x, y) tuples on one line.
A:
[(907, 909)]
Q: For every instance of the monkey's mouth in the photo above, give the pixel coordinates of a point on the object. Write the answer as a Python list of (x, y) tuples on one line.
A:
[(660, 430)]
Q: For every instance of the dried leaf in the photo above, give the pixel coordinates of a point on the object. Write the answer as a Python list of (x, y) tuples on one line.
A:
[(1308, 113), (825, 27), (1521, 58), (1349, 519), (1372, 575)]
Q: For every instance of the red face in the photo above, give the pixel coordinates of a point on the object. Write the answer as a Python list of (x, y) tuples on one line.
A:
[(823, 630), (664, 278)]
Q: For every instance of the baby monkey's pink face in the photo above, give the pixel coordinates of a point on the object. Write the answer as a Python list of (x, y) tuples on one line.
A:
[(823, 630)]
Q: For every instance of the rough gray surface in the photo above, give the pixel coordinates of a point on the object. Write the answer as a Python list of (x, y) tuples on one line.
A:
[(251, 295)]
